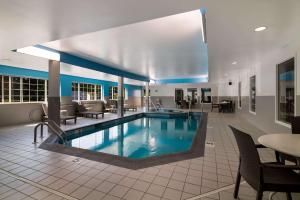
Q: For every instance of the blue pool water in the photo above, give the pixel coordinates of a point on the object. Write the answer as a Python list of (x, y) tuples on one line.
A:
[(140, 138)]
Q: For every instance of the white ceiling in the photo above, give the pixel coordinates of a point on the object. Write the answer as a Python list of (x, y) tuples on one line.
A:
[(230, 26), (167, 47), (231, 36), (30, 22), (25, 23)]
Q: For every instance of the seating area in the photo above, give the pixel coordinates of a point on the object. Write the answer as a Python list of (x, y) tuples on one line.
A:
[(64, 117), (87, 109), (273, 176)]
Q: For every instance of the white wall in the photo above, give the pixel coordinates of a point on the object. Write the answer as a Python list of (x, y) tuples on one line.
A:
[(168, 90), (265, 71)]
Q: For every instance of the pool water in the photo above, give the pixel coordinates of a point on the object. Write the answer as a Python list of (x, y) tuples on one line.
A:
[(140, 138)]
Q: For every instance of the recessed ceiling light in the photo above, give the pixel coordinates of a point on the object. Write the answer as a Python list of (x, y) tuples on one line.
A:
[(258, 29), (234, 63)]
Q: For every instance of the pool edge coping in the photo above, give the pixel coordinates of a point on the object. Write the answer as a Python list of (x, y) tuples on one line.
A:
[(196, 150)]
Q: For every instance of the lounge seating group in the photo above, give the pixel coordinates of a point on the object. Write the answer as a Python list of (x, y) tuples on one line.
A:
[(64, 117), (89, 108), (70, 110), (112, 106)]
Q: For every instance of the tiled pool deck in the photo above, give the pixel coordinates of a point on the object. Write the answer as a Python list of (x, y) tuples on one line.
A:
[(28, 172)]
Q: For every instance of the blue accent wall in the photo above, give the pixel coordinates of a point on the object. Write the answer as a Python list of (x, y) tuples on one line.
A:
[(66, 80), (182, 80), (85, 63), (15, 71)]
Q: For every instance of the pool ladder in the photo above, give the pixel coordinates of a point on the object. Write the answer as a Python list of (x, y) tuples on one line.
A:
[(153, 104), (52, 126)]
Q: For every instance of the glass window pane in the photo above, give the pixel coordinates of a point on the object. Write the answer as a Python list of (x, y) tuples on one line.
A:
[(178, 94), (33, 90), (15, 89), (26, 80), (205, 95), (25, 86), (6, 88), (98, 92), (33, 81), (15, 98), (25, 98), (41, 96), (110, 92), (41, 87), (286, 91), (75, 91), (41, 82)]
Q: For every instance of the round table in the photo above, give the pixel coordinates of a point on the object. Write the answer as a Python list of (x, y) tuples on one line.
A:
[(284, 143)]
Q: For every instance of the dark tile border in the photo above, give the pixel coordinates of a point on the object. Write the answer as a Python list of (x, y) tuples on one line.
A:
[(196, 150)]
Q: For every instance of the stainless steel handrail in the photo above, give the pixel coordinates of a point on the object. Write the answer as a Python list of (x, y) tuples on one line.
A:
[(153, 104), (57, 130)]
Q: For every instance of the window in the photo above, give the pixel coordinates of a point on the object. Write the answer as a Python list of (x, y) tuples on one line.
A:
[(253, 94), (145, 92), (26, 89), (240, 95), (98, 92), (75, 91), (285, 91), (15, 89), (85, 91), (178, 95), (113, 93), (33, 90), (21, 89), (192, 95), (206, 95), (6, 88), (41, 90)]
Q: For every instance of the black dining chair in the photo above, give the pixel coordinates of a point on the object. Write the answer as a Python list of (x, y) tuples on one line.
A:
[(263, 176), (295, 125)]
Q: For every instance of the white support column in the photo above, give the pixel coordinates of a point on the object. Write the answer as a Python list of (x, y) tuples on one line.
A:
[(54, 91), (147, 96), (121, 141), (120, 97)]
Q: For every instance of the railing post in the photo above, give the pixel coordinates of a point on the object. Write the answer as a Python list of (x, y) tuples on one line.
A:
[(42, 130), (35, 134), (53, 129)]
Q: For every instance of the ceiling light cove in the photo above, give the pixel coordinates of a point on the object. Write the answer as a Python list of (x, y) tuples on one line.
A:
[(40, 52), (234, 63), (261, 28)]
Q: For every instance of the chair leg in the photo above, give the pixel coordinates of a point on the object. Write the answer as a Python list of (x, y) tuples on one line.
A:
[(289, 196), (279, 158), (259, 195), (237, 185)]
